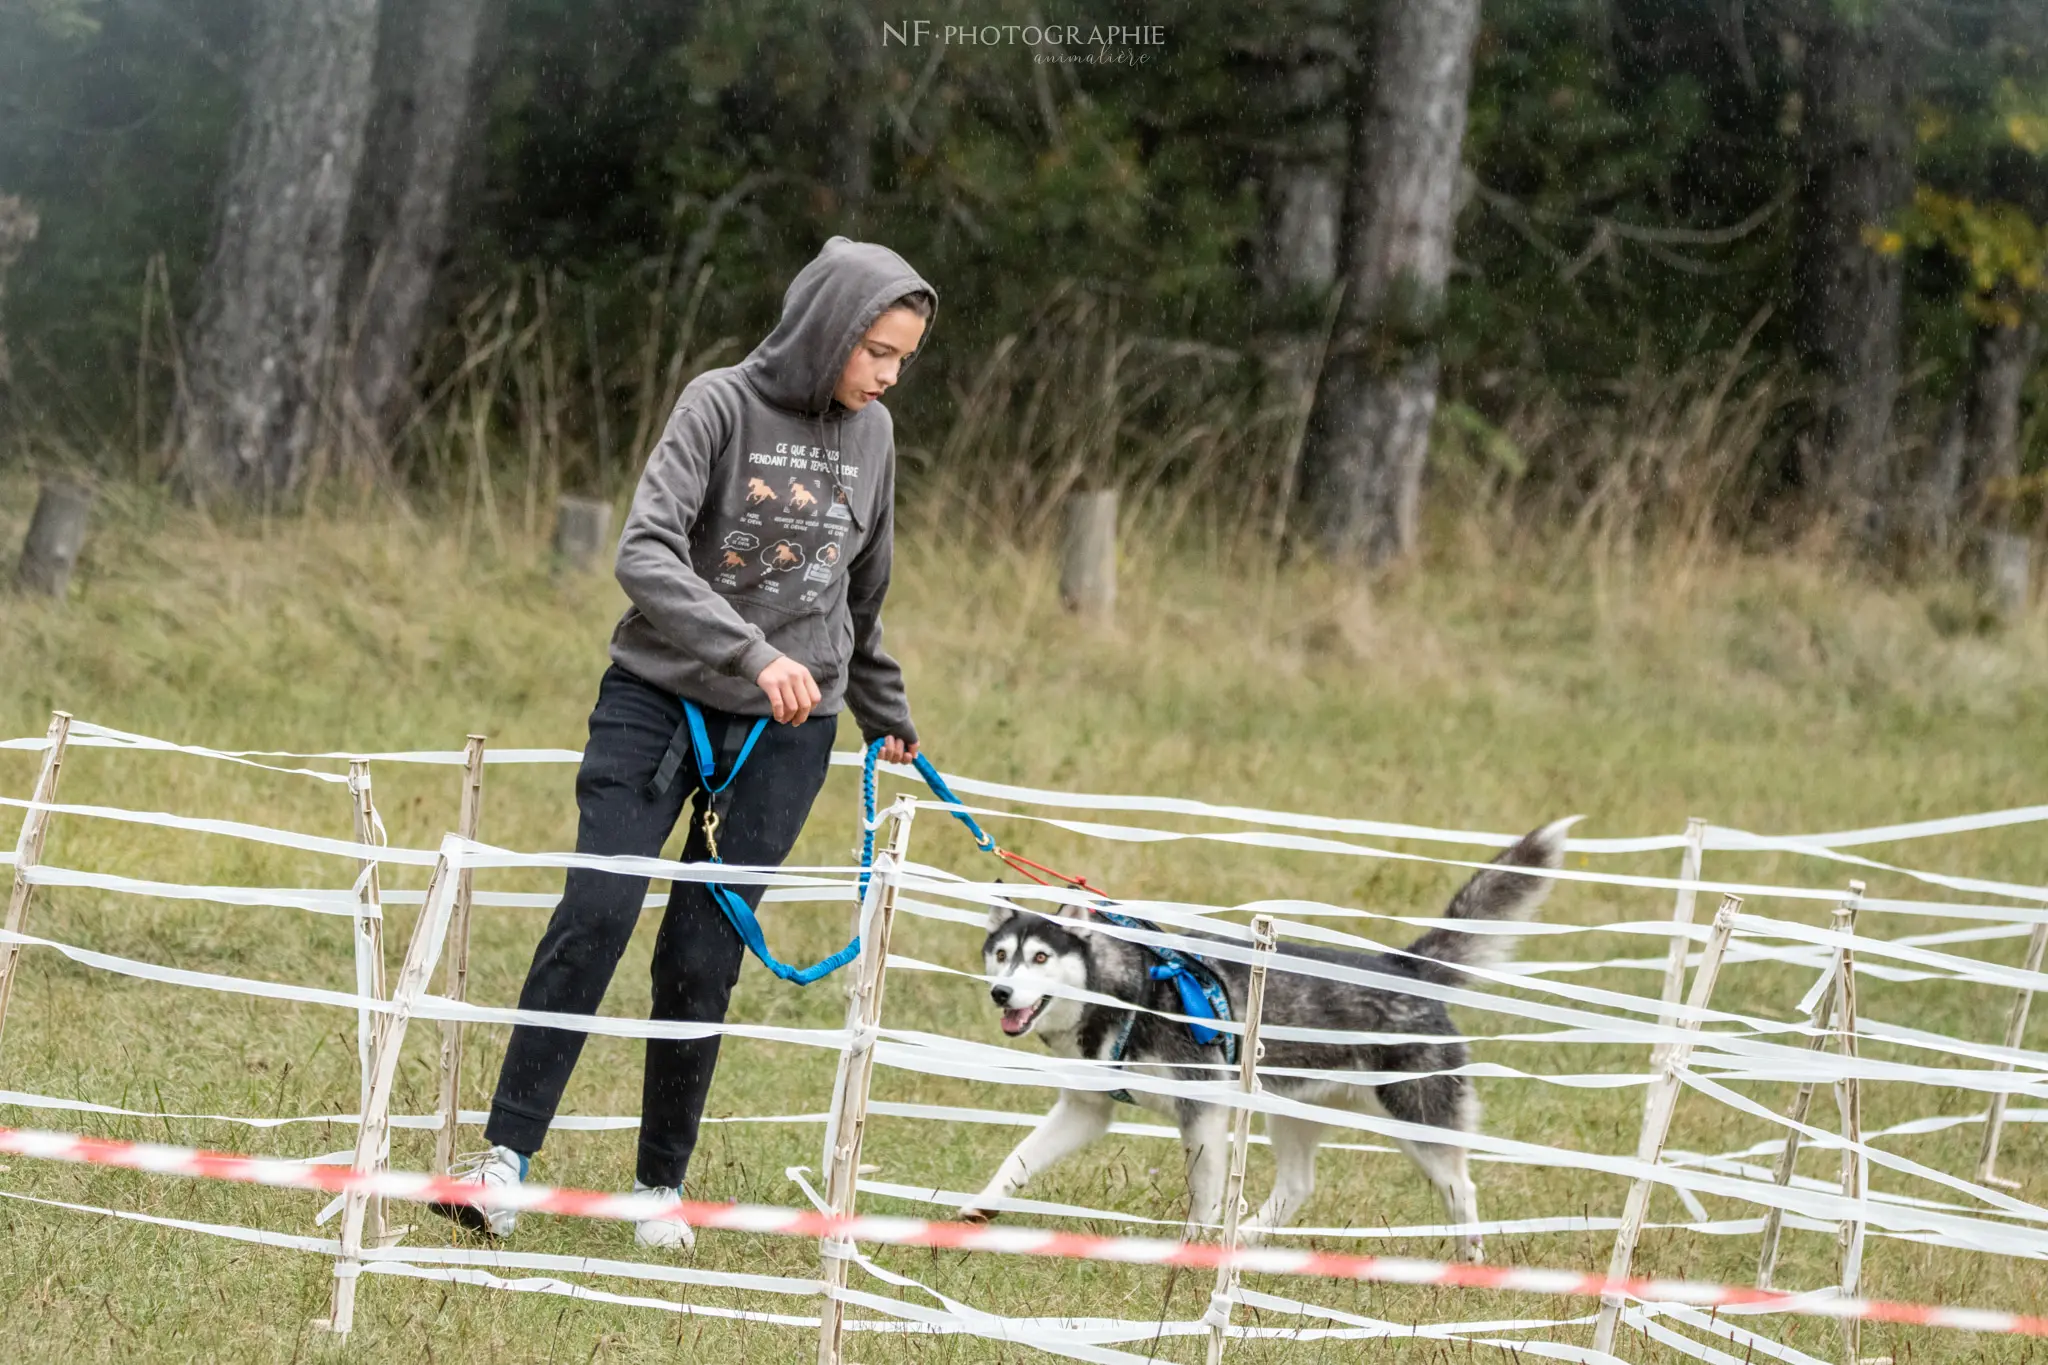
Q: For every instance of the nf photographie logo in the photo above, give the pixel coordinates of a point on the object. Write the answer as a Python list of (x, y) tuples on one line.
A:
[(1118, 44)]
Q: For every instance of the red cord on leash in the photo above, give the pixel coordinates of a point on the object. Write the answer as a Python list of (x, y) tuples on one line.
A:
[(1026, 866)]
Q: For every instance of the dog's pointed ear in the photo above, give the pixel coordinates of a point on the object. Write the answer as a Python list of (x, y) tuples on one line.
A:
[(999, 915), (1073, 912)]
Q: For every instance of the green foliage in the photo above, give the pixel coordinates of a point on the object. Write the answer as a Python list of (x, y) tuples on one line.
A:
[(1630, 205), (999, 177), (2024, 114), (2002, 248), (1597, 129), (1977, 231), (116, 133)]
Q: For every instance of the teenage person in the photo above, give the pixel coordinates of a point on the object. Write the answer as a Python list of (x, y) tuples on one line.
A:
[(755, 558)]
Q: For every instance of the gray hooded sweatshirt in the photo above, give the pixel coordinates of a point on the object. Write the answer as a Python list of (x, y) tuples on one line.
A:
[(764, 522)]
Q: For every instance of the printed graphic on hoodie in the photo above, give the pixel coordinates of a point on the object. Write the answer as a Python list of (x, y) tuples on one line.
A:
[(790, 496)]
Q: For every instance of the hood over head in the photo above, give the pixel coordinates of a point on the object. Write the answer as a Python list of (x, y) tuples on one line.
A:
[(826, 309)]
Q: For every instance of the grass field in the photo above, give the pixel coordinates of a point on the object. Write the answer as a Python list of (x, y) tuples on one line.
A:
[(1770, 695)]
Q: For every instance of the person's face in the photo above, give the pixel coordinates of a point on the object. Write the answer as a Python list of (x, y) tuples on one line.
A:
[(878, 358)]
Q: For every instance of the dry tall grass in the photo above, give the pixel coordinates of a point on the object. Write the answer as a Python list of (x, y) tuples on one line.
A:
[(542, 385)]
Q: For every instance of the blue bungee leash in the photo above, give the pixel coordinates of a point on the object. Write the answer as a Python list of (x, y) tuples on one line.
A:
[(932, 779), (1202, 995), (745, 922), (737, 912), (1201, 990)]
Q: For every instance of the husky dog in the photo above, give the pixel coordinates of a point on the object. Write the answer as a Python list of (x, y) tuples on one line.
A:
[(1028, 953)]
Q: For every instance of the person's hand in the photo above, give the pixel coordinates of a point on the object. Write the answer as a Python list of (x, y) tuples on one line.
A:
[(895, 750), (791, 689)]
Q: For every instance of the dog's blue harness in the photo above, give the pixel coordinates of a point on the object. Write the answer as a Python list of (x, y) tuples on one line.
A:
[(1119, 1048), (1201, 996), (1201, 991)]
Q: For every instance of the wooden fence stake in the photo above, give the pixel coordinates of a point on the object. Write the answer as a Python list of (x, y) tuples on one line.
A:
[(28, 851), (369, 942), (457, 983), (583, 531), (2008, 573), (56, 535), (856, 1069), (1248, 1049), (374, 1134), (1657, 1119), (2015, 1034), (1802, 1098), (1849, 1101), (1088, 556), (1681, 915)]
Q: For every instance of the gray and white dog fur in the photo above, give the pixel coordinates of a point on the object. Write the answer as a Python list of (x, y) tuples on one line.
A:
[(1030, 958)]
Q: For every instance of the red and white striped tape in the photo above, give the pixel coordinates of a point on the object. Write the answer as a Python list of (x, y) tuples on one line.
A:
[(165, 1160)]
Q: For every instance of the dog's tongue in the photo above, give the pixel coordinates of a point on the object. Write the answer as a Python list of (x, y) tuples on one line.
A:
[(1016, 1021)]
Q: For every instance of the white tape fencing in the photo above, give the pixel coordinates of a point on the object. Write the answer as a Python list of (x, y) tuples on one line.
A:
[(1530, 1002)]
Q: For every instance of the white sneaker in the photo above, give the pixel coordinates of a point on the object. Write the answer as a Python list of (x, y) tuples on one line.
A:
[(663, 1234), (493, 1168)]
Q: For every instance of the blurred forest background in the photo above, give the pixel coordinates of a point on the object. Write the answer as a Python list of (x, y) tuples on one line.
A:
[(1351, 278)]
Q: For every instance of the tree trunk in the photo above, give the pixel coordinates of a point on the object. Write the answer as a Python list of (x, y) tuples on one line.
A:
[(2000, 360), (1964, 487), (1938, 514), (1368, 433), (263, 341), (1857, 176), (422, 124), (1301, 176), (18, 227), (851, 110), (1304, 171)]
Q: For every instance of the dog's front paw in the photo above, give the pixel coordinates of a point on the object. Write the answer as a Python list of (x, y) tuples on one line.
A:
[(1474, 1253), (979, 1217)]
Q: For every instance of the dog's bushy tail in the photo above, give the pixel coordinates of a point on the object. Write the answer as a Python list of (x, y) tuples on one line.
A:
[(1495, 893)]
